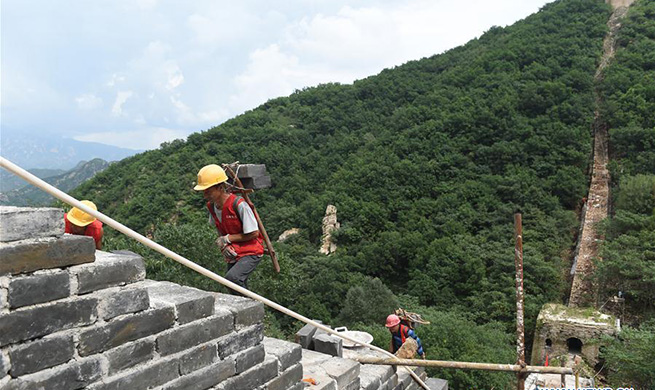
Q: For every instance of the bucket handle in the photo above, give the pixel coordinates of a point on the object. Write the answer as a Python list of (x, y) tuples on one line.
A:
[(341, 329)]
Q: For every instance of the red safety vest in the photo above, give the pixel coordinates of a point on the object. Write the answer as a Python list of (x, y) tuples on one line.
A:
[(231, 224), (94, 229)]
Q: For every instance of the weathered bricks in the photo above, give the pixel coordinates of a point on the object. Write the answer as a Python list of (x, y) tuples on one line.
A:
[(344, 371), (43, 253), (287, 353), (119, 301), (108, 270), (41, 354), (143, 377), (197, 358), (74, 375), (131, 354), (204, 378), (195, 333), (28, 323), (254, 377), (38, 288), (190, 303), (21, 223), (305, 336), (437, 384), (120, 331), (287, 378), (249, 358), (245, 338), (328, 344), (246, 311)]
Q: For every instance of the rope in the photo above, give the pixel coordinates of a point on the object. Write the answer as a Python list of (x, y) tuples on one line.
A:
[(64, 197)]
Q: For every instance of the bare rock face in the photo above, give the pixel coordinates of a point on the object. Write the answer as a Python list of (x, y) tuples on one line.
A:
[(288, 233), (330, 224)]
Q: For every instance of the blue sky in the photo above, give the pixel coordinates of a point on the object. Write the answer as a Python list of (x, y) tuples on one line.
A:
[(135, 73)]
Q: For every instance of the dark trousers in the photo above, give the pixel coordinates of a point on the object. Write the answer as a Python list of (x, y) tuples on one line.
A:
[(239, 271)]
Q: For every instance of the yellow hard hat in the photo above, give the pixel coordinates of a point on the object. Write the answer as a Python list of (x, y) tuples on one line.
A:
[(210, 175), (80, 218)]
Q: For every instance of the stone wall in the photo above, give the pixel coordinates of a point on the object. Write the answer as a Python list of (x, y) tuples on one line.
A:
[(72, 317)]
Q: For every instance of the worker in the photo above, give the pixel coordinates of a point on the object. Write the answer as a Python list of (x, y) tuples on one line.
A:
[(239, 239), (399, 333), (83, 224)]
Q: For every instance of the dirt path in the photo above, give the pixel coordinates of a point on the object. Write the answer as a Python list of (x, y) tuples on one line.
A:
[(583, 292)]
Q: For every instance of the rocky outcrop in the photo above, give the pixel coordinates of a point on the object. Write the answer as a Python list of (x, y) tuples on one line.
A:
[(330, 224)]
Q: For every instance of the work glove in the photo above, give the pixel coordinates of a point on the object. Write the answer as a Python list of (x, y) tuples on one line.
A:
[(229, 253), (423, 355), (222, 242)]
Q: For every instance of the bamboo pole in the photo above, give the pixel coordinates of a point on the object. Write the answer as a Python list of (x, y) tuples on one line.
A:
[(463, 365), (64, 197)]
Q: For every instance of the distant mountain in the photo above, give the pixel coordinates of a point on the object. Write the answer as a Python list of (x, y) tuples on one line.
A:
[(33, 196), (9, 181), (54, 152)]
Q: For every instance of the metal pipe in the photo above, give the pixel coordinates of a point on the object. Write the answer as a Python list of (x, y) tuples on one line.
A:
[(64, 197), (520, 324), (464, 365)]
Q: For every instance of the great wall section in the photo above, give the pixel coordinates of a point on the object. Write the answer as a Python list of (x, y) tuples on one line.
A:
[(72, 317), (596, 207)]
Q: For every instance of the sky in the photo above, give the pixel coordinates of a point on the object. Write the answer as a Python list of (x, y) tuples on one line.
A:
[(136, 73)]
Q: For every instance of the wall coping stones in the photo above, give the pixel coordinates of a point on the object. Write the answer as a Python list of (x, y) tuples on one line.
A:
[(42, 253), (190, 303), (108, 270), (286, 352), (21, 223), (246, 311)]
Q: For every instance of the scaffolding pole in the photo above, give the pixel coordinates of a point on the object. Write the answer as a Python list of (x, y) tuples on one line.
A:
[(464, 365), (520, 328)]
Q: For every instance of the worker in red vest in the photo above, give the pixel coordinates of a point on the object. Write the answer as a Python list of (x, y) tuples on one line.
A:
[(400, 333), (82, 224), (239, 239)]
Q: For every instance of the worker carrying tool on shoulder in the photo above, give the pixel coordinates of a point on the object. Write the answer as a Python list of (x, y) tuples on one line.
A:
[(400, 334), (82, 224), (239, 239)]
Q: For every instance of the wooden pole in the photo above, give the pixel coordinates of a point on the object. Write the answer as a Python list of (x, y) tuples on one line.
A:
[(262, 229), (463, 365), (520, 328)]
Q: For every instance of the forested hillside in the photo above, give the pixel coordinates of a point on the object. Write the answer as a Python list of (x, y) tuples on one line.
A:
[(628, 253), (426, 164)]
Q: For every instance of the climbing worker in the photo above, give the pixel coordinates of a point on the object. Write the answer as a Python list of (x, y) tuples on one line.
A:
[(400, 333), (82, 224), (239, 239)]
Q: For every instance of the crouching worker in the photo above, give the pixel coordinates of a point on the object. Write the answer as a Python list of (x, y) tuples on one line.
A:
[(239, 239), (82, 224), (404, 342)]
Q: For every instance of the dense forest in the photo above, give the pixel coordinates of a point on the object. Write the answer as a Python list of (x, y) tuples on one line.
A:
[(426, 163)]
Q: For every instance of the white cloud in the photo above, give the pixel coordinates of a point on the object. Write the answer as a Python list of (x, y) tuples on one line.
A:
[(121, 98), (146, 138), (88, 101)]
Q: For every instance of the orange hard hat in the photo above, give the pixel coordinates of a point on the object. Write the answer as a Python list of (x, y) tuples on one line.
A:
[(392, 320)]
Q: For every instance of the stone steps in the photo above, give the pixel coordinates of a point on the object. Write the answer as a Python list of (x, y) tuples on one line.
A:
[(98, 324)]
